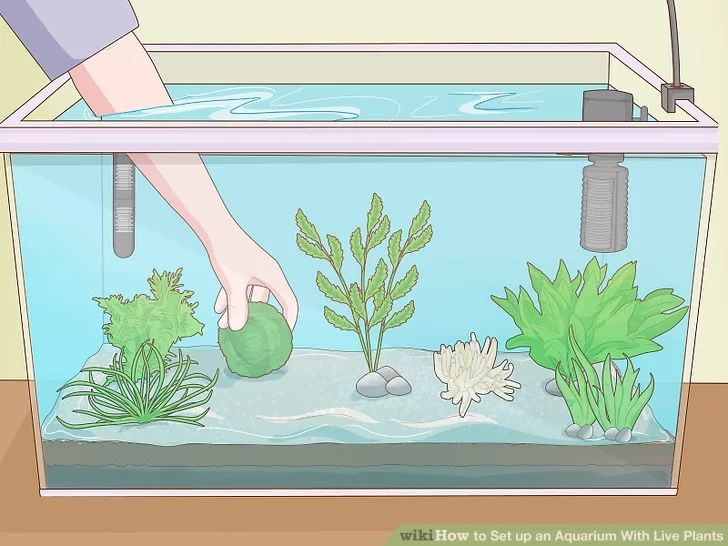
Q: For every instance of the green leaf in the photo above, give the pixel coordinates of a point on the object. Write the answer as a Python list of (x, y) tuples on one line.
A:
[(357, 301), (610, 404), (338, 321), (405, 284), (638, 404), (420, 219), (593, 277), (576, 397), (376, 281), (419, 241), (378, 298), (309, 248), (382, 311), (306, 227), (375, 212), (401, 316), (585, 365), (621, 286), (380, 233), (357, 248), (329, 289), (658, 301), (337, 251), (393, 247), (656, 325), (509, 304)]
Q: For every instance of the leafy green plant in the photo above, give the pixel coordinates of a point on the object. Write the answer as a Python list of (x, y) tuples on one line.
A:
[(163, 319), (263, 345), (616, 402), (370, 299), (162, 391), (606, 319)]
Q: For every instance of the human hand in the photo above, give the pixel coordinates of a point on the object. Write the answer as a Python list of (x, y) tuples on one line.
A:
[(248, 273)]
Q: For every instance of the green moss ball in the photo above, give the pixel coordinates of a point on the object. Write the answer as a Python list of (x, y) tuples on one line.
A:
[(264, 344)]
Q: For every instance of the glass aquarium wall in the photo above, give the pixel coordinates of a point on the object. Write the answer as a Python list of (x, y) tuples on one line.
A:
[(452, 332)]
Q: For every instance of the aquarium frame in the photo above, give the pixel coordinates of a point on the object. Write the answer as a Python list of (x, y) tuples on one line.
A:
[(696, 133), (699, 134)]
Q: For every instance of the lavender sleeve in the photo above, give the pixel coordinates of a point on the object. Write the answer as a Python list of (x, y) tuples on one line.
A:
[(61, 34)]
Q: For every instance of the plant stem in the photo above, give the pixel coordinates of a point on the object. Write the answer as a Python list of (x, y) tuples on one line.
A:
[(367, 328), (347, 293), (390, 284)]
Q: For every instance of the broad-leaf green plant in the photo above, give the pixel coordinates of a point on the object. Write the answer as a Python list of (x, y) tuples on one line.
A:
[(164, 391), (606, 318), (617, 402), (371, 297), (163, 319)]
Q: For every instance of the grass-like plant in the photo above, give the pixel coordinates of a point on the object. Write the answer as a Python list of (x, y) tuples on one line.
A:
[(162, 392), (163, 319), (575, 393), (370, 298), (616, 402), (606, 318)]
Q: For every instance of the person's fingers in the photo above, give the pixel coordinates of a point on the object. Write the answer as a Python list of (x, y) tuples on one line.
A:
[(223, 322), (259, 293), (278, 285), (237, 307), (220, 301)]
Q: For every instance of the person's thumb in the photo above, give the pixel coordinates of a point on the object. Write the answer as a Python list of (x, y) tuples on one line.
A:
[(237, 307)]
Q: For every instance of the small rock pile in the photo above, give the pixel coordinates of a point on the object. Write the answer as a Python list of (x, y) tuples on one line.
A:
[(586, 432), (386, 380)]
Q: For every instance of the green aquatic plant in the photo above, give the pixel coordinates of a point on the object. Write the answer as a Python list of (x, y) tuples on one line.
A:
[(606, 319), (575, 394), (263, 345), (163, 319), (616, 402), (370, 299), (164, 391)]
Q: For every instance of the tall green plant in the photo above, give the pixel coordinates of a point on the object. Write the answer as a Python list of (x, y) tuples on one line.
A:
[(370, 298), (606, 319), (163, 319)]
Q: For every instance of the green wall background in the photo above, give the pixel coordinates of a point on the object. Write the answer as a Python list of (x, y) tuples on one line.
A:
[(641, 27)]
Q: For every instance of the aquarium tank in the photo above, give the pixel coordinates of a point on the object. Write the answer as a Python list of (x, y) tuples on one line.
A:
[(440, 321)]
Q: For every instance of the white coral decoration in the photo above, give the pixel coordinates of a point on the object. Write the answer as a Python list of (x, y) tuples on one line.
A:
[(469, 372)]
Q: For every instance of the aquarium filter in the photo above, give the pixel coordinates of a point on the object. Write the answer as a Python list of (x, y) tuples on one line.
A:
[(604, 204), (604, 183), (123, 206)]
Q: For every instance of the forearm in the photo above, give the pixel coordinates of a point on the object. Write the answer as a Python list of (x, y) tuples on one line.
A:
[(122, 77), (183, 181)]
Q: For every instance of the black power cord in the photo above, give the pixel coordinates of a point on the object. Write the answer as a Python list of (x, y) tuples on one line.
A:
[(672, 92)]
